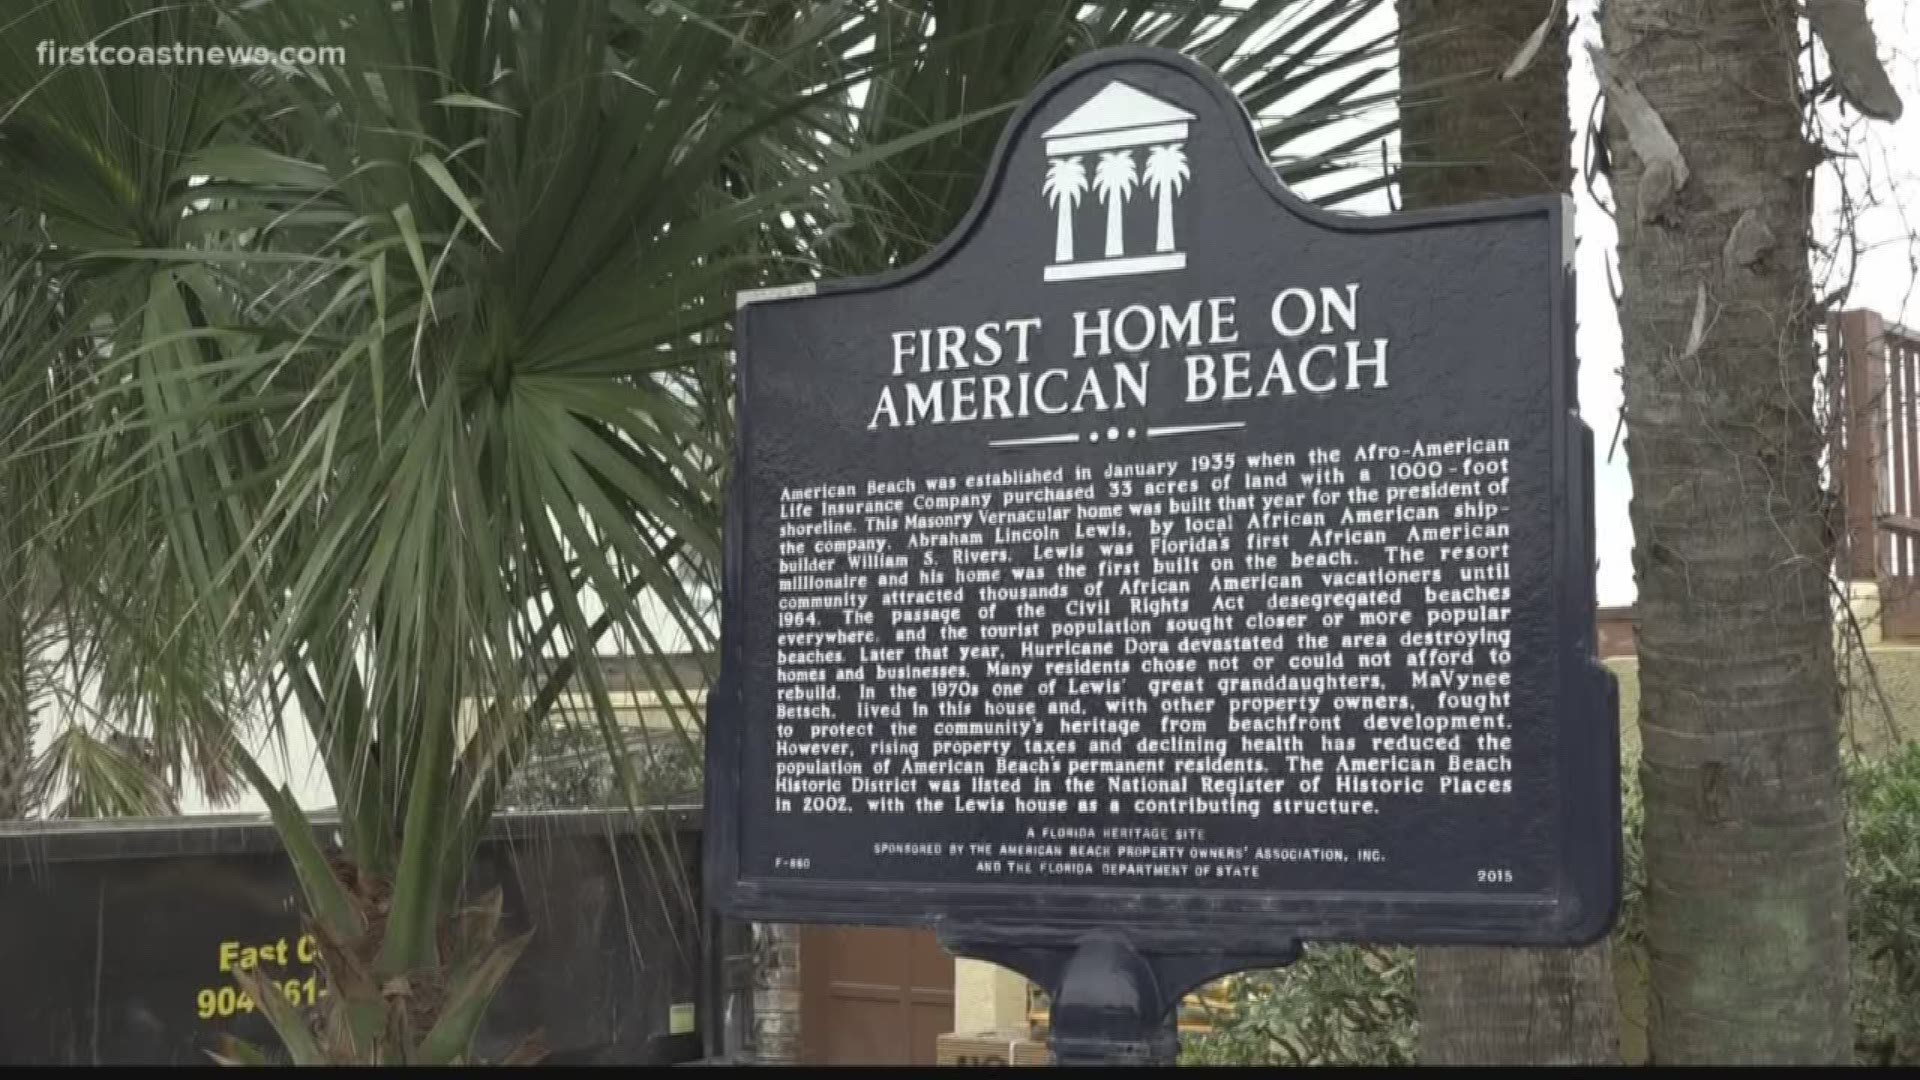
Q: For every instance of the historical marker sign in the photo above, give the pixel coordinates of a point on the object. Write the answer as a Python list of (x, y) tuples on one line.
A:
[(1164, 551)]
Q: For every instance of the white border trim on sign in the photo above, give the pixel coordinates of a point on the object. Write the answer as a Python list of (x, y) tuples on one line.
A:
[(1112, 140), (1098, 268)]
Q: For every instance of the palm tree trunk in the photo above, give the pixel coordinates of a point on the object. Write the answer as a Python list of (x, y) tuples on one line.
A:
[(1163, 239), (1115, 201), (1063, 232), (1738, 711), (1465, 133), (1468, 135)]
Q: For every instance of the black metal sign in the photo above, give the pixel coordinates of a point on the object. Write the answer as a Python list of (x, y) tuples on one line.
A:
[(1163, 553)]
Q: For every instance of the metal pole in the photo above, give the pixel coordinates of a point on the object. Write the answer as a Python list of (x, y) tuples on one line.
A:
[(1111, 1009)]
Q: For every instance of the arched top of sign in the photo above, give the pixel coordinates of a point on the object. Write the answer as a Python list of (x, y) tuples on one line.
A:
[(1118, 145)]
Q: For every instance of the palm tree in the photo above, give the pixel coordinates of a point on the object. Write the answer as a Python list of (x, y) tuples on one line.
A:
[(1166, 174), (27, 319), (1114, 179), (1066, 182), (1744, 833), (77, 664)]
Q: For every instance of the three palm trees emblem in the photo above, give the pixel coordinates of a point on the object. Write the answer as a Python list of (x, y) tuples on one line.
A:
[(1118, 141), (1114, 181)]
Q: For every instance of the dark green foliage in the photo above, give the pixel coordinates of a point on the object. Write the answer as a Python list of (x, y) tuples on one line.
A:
[(1339, 1005), (1883, 868)]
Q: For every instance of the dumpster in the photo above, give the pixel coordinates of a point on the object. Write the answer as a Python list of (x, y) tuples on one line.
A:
[(118, 938)]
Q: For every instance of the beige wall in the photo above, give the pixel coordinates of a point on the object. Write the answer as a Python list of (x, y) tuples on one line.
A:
[(987, 997)]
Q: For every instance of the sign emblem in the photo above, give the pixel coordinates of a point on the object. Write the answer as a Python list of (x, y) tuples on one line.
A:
[(1109, 129)]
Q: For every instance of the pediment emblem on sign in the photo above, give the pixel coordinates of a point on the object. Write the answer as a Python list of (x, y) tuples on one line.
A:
[(1121, 143)]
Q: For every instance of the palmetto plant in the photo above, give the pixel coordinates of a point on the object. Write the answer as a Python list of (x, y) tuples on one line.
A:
[(404, 368), (397, 390), (82, 672)]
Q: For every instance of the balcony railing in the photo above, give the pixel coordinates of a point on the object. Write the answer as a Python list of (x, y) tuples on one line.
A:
[(1875, 431)]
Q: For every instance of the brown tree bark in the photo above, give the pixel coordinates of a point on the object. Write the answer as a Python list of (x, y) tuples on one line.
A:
[(1467, 134), (1738, 701)]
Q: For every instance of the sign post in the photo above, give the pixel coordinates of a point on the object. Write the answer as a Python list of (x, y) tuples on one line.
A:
[(1165, 572)]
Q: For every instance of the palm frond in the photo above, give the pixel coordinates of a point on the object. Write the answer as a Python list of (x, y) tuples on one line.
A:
[(85, 775)]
